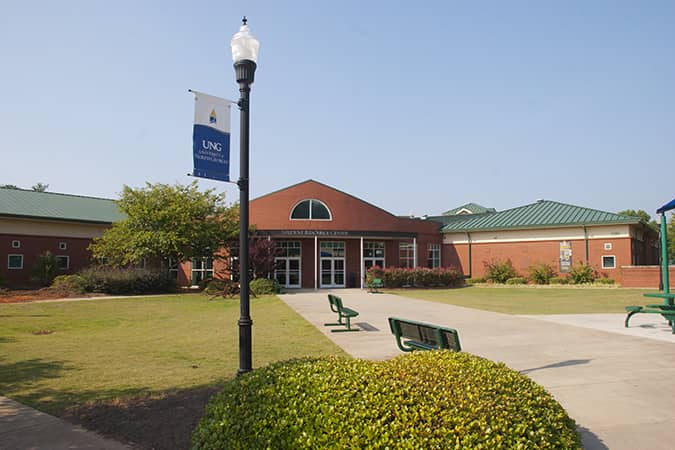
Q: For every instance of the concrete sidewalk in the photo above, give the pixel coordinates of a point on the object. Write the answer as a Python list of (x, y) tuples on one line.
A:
[(618, 387), (24, 428)]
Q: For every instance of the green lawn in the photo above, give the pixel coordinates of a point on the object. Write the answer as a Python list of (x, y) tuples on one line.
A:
[(533, 300), (54, 355)]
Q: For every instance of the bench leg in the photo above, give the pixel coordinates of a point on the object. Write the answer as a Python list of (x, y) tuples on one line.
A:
[(348, 325), (630, 314)]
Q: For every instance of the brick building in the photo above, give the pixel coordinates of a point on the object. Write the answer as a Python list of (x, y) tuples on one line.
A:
[(32, 223), (328, 238)]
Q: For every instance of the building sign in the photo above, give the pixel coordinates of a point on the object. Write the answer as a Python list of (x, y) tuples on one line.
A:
[(337, 233), (565, 256), (211, 137)]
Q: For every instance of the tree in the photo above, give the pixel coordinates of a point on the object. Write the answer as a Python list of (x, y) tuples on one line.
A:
[(165, 221), (262, 253), (641, 214), (40, 187)]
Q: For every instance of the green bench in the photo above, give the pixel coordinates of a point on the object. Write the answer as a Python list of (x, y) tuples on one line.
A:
[(375, 284), (343, 313), (411, 335), (666, 311)]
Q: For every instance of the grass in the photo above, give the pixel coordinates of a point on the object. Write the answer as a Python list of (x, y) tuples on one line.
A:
[(56, 355), (533, 300)]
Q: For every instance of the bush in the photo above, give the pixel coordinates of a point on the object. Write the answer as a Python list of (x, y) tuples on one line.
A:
[(44, 269), (374, 272), (396, 277), (264, 286), (69, 284), (214, 287), (541, 273), (436, 399), (581, 273), (475, 280), (499, 271), (123, 281), (516, 280), (604, 281), (559, 280)]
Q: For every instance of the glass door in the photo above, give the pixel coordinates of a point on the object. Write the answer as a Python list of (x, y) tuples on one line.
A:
[(332, 264), (287, 269)]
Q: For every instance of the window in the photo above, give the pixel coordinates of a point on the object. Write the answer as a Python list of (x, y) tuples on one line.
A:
[(373, 249), (406, 254), (202, 269), (62, 262), (434, 255), (332, 249), (15, 262), (16, 244), (63, 246), (608, 245), (608, 262), (288, 249), (311, 209), (173, 268)]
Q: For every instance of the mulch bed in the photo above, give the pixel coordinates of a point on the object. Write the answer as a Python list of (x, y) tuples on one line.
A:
[(153, 422), (31, 295)]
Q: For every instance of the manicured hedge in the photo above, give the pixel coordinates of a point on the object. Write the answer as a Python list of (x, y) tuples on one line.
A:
[(436, 399), (396, 277), (121, 281)]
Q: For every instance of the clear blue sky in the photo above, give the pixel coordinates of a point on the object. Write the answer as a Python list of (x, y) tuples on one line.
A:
[(413, 106)]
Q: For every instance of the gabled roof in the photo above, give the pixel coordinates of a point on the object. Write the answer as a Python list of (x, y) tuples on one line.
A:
[(542, 214), (53, 206), (469, 208)]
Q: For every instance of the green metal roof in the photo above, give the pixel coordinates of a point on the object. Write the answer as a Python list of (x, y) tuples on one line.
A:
[(542, 214), (473, 208), (50, 205)]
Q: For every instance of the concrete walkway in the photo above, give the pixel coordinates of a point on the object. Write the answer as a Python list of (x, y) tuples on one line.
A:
[(24, 428), (617, 384)]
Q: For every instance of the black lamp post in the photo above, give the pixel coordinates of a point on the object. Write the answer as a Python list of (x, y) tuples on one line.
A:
[(244, 54)]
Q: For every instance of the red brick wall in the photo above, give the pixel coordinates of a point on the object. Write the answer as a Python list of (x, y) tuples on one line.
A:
[(33, 246), (524, 254), (644, 276)]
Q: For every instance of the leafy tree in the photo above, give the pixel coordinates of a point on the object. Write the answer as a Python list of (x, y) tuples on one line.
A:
[(641, 214), (44, 269), (40, 187), (165, 221), (261, 256)]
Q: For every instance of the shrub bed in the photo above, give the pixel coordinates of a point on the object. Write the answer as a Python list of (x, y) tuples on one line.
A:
[(499, 271), (264, 286), (397, 277), (516, 280), (433, 399), (122, 281)]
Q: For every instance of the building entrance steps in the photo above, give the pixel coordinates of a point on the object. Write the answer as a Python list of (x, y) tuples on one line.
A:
[(611, 382)]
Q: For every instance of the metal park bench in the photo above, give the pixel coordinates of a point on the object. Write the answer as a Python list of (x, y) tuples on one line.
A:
[(375, 284), (411, 335), (666, 309), (343, 313)]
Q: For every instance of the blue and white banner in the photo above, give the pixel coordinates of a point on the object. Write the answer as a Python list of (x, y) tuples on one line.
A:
[(211, 137)]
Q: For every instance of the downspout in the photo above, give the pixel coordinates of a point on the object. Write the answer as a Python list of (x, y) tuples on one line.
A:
[(468, 238), (586, 243)]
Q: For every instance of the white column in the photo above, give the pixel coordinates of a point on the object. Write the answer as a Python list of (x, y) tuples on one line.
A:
[(361, 270), (316, 262), (414, 252)]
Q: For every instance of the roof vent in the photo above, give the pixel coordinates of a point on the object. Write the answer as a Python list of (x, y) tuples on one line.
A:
[(539, 200)]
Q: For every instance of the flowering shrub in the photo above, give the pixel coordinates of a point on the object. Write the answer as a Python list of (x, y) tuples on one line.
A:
[(374, 272), (396, 277)]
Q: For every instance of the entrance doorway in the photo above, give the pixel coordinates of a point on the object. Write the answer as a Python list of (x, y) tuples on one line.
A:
[(332, 264), (287, 267)]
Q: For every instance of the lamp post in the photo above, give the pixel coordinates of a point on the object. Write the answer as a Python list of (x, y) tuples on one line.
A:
[(244, 54)]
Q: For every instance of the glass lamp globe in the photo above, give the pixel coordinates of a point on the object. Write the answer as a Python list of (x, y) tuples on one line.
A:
[(244, 45)]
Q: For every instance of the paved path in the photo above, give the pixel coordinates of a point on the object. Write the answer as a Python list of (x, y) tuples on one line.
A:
[(617, 386), (23, 428)]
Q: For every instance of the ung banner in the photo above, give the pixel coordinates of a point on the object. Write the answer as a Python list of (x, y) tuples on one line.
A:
[(211, 137)]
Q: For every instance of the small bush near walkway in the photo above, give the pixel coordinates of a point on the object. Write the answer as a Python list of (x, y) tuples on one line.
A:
[(123, 281), (436, 399), (397, 277)]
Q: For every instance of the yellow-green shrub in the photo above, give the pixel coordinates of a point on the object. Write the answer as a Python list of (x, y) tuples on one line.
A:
[(436, 399)]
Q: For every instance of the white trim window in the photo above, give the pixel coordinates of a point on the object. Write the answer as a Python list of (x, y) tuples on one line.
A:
[(63, 246), (173, 268), (608, 262), (14, 262), (406, 254), (202, 269), (62, 262), (607, 246), (16, 244), (434, 255), (311, 209)]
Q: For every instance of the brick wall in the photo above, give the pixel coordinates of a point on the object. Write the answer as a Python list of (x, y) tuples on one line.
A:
[(644, 276)]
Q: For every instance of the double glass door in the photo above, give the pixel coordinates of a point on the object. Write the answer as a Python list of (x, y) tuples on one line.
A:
[(332, 264), (287, 272)]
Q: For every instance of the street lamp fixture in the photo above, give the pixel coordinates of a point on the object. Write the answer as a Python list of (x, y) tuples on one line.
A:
[(244, 54)]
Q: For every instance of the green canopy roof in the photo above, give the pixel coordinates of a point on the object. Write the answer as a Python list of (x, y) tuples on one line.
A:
[(542, 214), (50, 205)]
